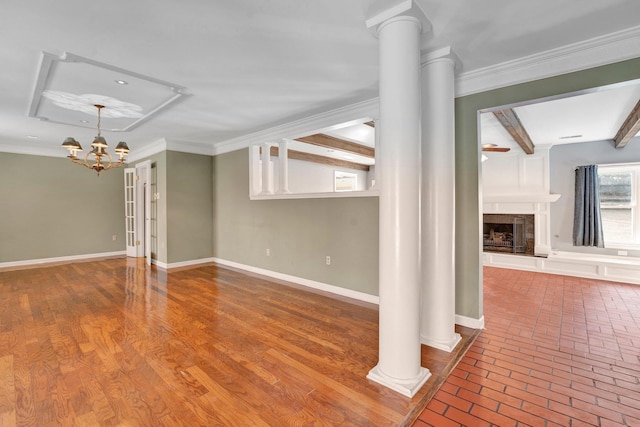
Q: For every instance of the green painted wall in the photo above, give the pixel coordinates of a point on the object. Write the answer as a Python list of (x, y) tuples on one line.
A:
[(299, 233), (50, 208), (189, 202), (468, 197)]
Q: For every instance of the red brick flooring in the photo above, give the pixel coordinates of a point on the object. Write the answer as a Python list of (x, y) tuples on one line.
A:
[(556, 351)]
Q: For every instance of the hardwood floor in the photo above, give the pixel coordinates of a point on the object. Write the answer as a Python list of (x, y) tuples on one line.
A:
[(113, 342)]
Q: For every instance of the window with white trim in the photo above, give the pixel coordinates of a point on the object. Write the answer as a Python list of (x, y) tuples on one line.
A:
[(619, 191)]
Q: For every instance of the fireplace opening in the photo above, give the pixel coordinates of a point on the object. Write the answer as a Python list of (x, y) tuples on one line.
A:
[(508, 233)]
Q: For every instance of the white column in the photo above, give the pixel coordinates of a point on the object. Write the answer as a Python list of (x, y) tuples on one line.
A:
[(376, 174), (283, 167), (438, 201), (399, 288), (255, 173), (267, 172)]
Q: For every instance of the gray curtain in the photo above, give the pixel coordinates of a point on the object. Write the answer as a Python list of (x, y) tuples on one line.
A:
[(587, 220)]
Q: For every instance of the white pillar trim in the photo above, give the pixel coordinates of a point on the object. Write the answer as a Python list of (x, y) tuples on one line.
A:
[(399, 365), (438, 201), (283, 167), (267, 169)]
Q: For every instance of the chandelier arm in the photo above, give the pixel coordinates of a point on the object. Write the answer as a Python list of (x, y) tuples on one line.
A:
[(78, 161)]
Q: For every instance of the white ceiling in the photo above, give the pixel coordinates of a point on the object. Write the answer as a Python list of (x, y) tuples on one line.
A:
[(249, 65), (583, 117)]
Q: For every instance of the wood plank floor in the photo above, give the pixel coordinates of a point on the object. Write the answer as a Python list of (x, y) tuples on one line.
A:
[(113, 342)]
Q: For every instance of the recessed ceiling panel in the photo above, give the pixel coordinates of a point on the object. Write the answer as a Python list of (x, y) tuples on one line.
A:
[(69, 87)]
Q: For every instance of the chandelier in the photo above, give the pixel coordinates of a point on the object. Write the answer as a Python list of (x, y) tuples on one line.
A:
[(98, 151)]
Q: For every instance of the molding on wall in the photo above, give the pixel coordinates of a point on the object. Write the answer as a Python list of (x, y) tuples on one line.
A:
[(603, 50), (470, 322), (168, 266), (61, 259), (602, 267), (361, 296), (164, 144), (365, 110), (33, 150)]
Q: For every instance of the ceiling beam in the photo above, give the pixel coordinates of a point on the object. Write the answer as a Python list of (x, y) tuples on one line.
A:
[(510, 121), (629, 128), (315, 158), (334, 143)]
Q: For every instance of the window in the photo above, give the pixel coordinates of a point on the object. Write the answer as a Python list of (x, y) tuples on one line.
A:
[(619, 187), (345, 181)]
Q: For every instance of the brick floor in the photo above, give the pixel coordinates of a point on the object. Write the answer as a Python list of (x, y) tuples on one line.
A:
[(555, 351)]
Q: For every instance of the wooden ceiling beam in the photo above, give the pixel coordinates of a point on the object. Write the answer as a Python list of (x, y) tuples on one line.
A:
[(315, 158), (334, 143), (510, 121), (629, 128)]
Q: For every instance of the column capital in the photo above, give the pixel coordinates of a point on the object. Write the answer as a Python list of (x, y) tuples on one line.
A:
[(382, 12), (444, 53)]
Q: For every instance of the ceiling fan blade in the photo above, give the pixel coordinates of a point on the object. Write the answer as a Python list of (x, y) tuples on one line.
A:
[(497, 149)]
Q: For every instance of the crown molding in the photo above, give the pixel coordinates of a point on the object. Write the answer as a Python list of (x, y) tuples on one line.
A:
[(32, 150), (155, 147), (365, 110), (607, 49)]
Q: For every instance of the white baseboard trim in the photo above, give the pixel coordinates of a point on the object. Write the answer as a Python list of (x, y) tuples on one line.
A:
[(168, 266), (470, 322), (61, 259), (603, 267), (361, 296)]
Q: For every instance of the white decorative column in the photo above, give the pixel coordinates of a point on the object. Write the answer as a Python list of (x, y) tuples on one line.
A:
[(399, 30), (438, 200), (255, 173), (376, 174), (283, 167), (267, 172)]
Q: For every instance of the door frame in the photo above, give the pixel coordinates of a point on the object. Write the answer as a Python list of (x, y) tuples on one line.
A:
[(143, 209)]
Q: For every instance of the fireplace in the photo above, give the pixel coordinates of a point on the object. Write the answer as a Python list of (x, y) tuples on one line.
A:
[(508, 233)]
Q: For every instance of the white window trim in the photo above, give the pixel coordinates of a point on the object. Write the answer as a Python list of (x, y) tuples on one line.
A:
[(634, 168)]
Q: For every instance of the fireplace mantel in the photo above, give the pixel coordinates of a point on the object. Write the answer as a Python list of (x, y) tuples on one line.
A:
[(520, 198), (537, 204)]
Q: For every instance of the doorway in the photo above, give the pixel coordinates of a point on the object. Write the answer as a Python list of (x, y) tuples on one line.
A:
[(137, 188)]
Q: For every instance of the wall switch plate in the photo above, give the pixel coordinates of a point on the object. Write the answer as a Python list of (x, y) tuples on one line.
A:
[(114, 237), (268, 252)]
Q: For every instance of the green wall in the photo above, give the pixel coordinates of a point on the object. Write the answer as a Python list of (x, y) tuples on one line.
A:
[(300, 233), (50, 208), (468, 197), (189, 206)]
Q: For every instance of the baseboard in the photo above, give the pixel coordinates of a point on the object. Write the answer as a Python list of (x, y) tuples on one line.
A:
[(615, 269), (470, 322), (61, 259), (168, 266), (361, 296)]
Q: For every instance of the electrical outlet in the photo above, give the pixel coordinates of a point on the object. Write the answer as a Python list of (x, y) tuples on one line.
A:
[(623, 253), (268, 252), (328, 260), (114, 237)]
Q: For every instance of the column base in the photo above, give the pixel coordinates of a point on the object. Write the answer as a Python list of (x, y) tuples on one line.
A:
[(446, 345), (405, 387)]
